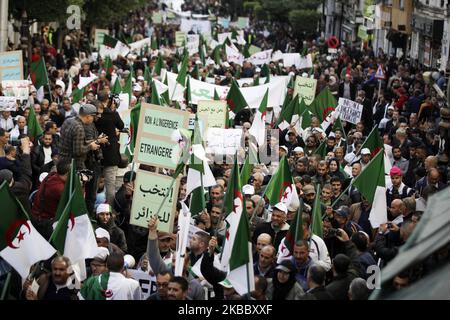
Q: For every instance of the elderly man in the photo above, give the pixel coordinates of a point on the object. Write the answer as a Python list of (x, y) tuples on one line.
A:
[(277, 228), (265, 265)]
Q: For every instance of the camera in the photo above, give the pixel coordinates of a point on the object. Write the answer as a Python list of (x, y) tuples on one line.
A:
[(113, 98), (334, 232), (85, 175), (389, 225)]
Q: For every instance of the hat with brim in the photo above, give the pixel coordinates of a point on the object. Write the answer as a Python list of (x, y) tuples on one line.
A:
[(308, 189), (226, 284)]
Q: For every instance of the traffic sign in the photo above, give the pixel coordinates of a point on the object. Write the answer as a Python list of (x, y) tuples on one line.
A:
[(380, 73), (333, 42)]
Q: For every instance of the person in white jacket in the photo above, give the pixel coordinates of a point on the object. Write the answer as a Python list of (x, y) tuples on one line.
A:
[(318, 250)]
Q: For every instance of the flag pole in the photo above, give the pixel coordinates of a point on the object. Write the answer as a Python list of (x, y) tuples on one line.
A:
[(48, 84), (6, 286)]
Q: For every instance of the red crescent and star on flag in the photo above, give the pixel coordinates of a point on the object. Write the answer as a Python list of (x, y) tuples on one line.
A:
[(11, 230)]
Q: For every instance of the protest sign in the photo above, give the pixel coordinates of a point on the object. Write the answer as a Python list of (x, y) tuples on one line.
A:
[(161, 121), (212, 113), (193, 42), (253, 49), (138, 45), (221, 37), (146, 281), (296, 59), (11, 65), (262, 57), (234, 55), (223, 141), (156, 151), (99, 36), (150, 190), (197, 26), (157, 17), (180, 38), (305, 88), (224, 22), (350, 111), (243, 22), (16, 88), (8, 103)]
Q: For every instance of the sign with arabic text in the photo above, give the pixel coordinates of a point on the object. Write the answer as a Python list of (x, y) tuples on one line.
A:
[(16, 88), (305, 88), (223, 141), (212, 113), (180, 38), (8, 104), (350, 111), (11, 65), (150, 190)]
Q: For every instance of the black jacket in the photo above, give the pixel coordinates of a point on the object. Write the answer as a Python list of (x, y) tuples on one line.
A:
[(107, 124), (266, 227), (212, 275)]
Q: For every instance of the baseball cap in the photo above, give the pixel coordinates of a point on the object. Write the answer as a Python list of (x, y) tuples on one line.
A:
[(281, 206), (5, 175), (103, 207), (308, 189), (343, 211), (226, 283), (248, 189), (391, 108), (284, 148), (88, 110), (365, 151), (286, 266), (395, 171), (102, 233)]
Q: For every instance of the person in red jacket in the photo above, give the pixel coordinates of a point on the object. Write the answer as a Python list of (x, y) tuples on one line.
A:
[(47, 198)]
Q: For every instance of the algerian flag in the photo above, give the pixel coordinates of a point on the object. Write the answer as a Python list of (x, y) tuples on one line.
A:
[(294, 234), (371, 184), (73, 235), (20, 243), (84, 81), (155, 96), (134, 123), (181, 78), (246, 170), (258, 128), (281, 187), (116, 89), (235, 99), (34, 128), (285, 118), (108, 286), (158, 66), (112, 47), (237, 249), (323, 105), (69, 88), (38, 73), (317, 224), (199, 173)]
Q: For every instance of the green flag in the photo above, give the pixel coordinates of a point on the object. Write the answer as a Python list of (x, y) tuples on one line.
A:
[(246, 171), (235, 99), (265, 71), (38, 73), (322, 149), (155, 96), (188, 92), (128, 87), (216, 54), (281, 184), (154, 44), (34, 128), (338, 125), (181, 78), (116, 89), (78, 94), (194, 72), (147, 75), (294, 234), (323, 104), (108, 66), (158, 66), (166, 93), (373, 142), (216, 95), (245, 51), (134, 123), (256, 81), (317, 224)]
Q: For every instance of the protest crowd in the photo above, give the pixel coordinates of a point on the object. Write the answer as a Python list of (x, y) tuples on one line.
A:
[(338, 155)]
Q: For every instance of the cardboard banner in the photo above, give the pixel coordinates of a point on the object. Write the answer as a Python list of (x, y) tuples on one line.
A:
[(243, 22), (212, 113), (138, 45), (197, 26), (300, 62), (11, 65), (157, 17), (223, 141), (146, 281), (350, 111), (234, 56), (253, 49), (156, 125), (180, 38), (150, 190), (305, 88), (16, 88), (260, 58), (8, 103), (224, 22), (193, 42), (99, 36)]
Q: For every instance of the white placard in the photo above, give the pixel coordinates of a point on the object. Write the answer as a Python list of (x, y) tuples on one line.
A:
[(350, 111), (8, 104), (16, 88), (223, 141), (146, 281)]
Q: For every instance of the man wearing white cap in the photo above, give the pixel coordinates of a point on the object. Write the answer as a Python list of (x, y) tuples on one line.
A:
[(103, 240), (277, 228), (105, 220), (365, 157)]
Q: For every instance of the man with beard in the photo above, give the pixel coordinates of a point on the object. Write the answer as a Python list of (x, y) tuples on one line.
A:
[(399, 161), (106, 221), (398, 190), (277, 228)]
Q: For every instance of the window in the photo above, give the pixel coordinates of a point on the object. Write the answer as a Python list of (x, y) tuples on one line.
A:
[(402, 4), (442, 3)]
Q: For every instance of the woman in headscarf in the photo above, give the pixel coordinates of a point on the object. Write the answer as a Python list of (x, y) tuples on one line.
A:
[(283, 286)]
